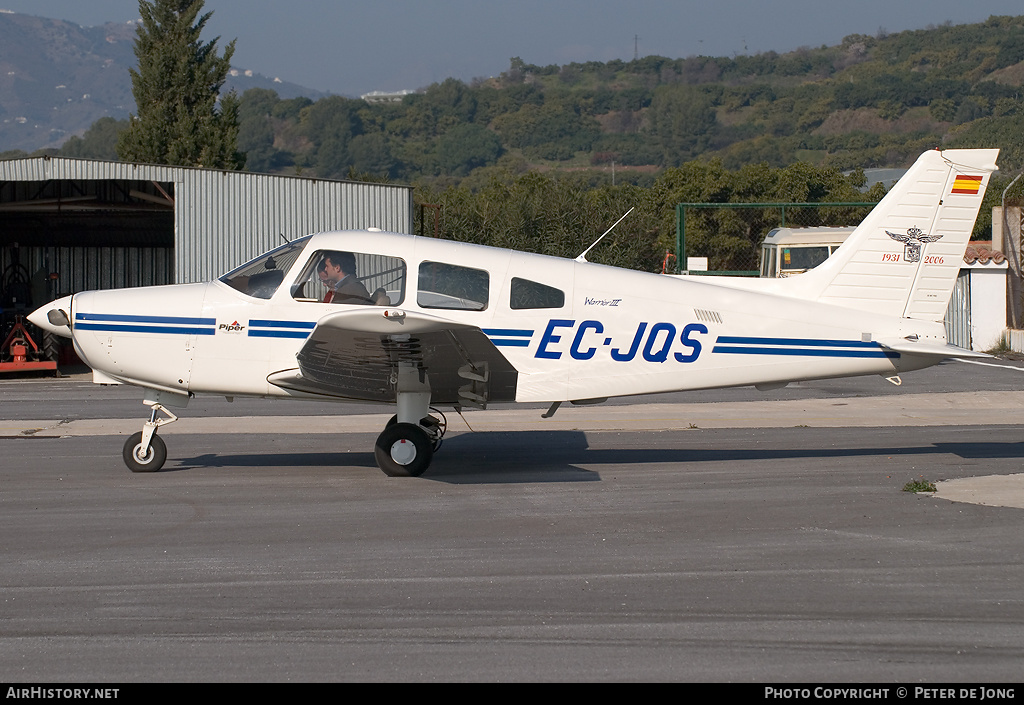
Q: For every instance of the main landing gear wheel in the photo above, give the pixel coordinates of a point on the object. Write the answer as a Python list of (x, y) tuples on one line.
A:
[(154, 458), (435, 427), (403, 450)]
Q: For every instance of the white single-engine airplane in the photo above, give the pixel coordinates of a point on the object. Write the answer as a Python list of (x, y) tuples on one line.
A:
[(384, 317)]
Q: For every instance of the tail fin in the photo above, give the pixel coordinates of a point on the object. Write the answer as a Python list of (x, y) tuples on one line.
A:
[(904, 257)]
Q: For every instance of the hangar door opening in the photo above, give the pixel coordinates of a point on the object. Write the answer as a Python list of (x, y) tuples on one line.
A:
[(64, 236), (59, 237)]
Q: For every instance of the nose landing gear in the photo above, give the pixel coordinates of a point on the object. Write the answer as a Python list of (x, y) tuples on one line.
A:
[(140, 458), (145, 451)]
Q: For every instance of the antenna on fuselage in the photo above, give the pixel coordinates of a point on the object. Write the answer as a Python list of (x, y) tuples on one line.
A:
[(583, 255)]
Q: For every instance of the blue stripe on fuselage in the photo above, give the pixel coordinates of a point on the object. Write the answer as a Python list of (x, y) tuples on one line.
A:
[(509, 337), (280, 329), (164, 325), (123, 318), (801, 347), (166, 330)]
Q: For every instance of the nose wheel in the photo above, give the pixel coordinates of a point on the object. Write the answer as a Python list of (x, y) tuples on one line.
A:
[(145, 451), (144, 459)]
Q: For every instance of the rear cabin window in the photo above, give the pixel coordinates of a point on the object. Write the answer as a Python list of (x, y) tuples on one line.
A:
[(356, 278), (452, 287), (526, 294)]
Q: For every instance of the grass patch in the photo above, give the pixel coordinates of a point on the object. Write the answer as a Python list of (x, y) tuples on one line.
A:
[(921, 485)]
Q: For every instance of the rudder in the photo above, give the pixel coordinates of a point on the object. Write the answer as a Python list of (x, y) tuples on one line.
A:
[(903, 259)]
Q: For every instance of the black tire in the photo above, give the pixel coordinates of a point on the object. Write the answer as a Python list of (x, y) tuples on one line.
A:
[(435, 429), (154, 459), (51, 350), (51, 346), (403, 450)]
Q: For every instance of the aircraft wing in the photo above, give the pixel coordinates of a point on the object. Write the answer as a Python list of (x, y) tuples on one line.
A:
[(356, 355)]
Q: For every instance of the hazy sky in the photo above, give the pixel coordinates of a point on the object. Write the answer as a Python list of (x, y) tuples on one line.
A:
[(356, 47)]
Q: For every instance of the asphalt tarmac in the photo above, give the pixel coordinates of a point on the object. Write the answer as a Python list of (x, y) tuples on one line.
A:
[(731, 536)]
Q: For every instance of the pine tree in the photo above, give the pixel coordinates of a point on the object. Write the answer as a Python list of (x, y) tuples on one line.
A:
[(176, 87)]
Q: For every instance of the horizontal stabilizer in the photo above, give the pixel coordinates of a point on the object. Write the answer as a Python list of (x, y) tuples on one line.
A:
[(929, 349)]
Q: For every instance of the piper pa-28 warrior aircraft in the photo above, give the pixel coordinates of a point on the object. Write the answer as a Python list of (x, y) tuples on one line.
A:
[(422, 323)]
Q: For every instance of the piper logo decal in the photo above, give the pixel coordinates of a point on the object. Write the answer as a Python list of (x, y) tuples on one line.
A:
[(231, 327)]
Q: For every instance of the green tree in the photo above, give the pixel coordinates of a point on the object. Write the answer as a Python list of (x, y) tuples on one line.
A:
[(330, 124), (553, 130), (682, 120), (466, 147), (176, 89), (256, 131), (371, 154), (98, 142)]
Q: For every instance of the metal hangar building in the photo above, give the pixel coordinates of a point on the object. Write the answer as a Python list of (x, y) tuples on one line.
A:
[(69, 225)]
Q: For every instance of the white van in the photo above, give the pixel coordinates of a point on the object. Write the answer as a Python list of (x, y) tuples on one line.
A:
[(789, 251)]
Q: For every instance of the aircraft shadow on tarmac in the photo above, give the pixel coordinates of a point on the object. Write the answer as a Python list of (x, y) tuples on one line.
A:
[(566, 456), (526, 456)]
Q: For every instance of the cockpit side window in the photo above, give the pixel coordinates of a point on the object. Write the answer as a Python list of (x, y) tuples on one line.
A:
[(526, 294), (452, 287), (261, 277), (358, 278)]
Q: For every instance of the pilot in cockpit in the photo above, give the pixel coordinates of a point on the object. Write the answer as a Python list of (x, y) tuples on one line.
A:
[(337, 272)]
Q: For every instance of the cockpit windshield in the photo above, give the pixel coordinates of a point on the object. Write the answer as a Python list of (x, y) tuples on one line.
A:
[(261, 277)]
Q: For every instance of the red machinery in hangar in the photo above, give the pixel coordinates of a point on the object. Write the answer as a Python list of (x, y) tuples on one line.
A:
[(19, 352)]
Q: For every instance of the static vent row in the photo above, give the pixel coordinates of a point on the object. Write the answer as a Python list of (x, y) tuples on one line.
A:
[(707, 316)]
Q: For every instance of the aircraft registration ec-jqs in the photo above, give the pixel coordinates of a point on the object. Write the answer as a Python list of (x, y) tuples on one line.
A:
[(422, 323)]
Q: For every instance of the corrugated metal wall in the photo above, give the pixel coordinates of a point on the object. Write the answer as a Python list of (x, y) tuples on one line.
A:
[(221, 219), (226, 218), (958, 313)]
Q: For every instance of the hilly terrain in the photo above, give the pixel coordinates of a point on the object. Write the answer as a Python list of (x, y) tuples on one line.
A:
[(870, 102), (57, 79), (544, 158)]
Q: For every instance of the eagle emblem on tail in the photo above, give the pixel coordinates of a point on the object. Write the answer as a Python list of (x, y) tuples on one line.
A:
[(912, 242)]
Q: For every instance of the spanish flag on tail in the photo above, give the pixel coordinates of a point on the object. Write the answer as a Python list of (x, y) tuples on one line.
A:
[(966, 184)]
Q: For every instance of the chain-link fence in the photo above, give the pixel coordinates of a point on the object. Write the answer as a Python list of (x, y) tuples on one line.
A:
[(729, 235)]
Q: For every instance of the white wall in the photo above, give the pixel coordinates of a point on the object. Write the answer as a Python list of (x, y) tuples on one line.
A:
[(988, 304)]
